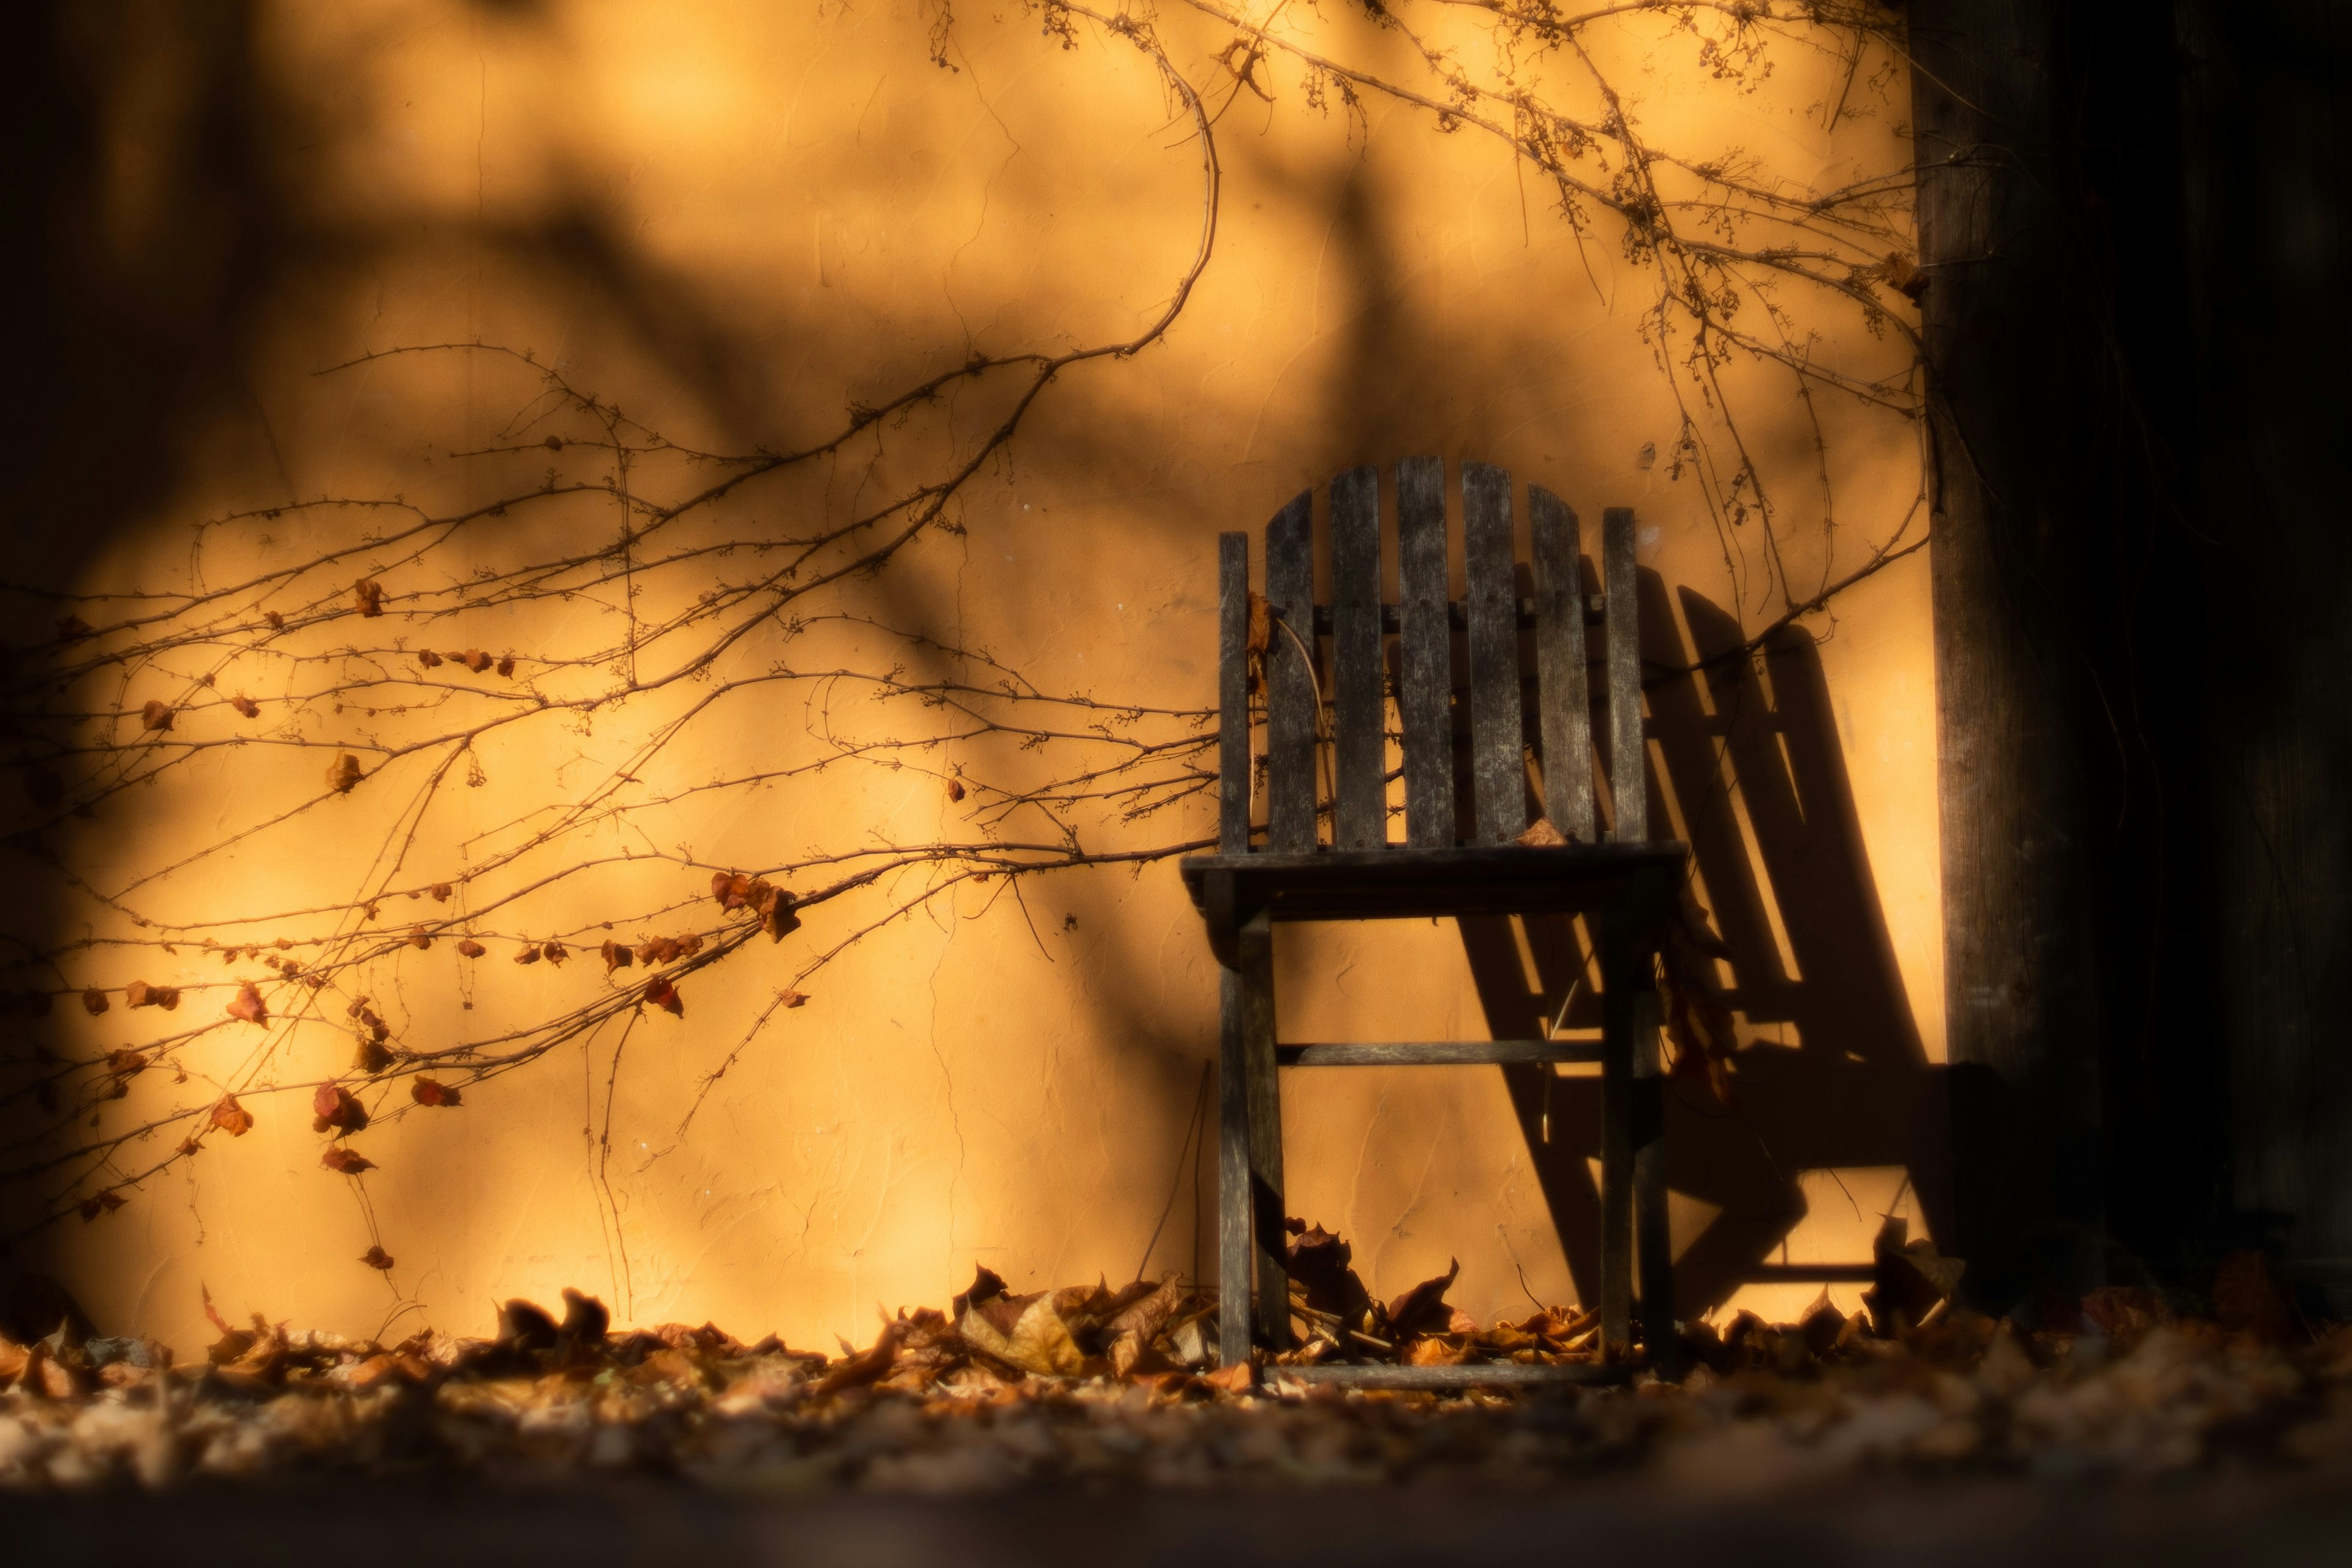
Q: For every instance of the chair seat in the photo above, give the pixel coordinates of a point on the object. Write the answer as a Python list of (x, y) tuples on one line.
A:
[(1634, 882)]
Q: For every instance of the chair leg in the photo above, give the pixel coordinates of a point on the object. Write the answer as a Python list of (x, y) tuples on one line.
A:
[(1233, 1270), (1262, 1094), (1652, 1241), (1619, 1024)]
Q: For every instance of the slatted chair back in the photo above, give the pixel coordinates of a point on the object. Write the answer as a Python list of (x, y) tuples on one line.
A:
[(1289, 628)]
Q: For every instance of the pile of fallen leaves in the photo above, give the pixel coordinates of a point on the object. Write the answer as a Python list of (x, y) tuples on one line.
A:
[(1093, 1384)]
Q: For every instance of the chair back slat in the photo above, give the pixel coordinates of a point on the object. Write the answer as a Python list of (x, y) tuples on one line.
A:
[(1233, 694), (1290, 695), (1497, 733), (1425, 654), (1310, 700), (1628, 779), (1358, 732), (1564, 701)]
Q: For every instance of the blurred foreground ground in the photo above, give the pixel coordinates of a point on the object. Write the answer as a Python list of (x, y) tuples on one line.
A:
[(1882, 1523)]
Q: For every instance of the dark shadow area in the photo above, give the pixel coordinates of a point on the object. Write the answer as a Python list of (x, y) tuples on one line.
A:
[(1745, 751)]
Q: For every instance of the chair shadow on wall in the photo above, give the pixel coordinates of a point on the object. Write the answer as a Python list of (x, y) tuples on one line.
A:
[(1832, 1073)]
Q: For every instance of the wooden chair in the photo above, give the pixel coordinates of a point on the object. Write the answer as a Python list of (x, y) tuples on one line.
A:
[(1466, 737)]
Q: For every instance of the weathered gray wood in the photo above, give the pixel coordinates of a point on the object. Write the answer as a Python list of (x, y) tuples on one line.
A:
[(1629, 789), (1435, 1053), (1563, 694), (1359, 793), (1290, 705), (1232, 693), (1262, 1093), (1619, 1024), (1498, 747), (1508, 1374), (1653, 1256), (1233, 1266), (1425, 653)]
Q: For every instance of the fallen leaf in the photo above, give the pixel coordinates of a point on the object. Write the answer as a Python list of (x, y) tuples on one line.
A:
[(432, 1092), (525, 1325), (346, 1161), (867, 1366), (1422, 1308), (343, 773), (1238, 1378), (232, 1118), (1542, 835), (377, 1258), (248, 1005), (157, 715)]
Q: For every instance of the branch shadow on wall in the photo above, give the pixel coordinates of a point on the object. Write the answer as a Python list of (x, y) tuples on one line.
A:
[(1832, 1074)]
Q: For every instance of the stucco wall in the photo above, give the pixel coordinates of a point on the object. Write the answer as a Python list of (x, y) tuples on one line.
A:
[(732, 219)]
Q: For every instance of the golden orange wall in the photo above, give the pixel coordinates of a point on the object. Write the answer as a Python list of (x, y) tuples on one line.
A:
[(732, 218)]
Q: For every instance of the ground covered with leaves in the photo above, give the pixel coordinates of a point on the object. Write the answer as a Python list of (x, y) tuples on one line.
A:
[(1098, 1386)]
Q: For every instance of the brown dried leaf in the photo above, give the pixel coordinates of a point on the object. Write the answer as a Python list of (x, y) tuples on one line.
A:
[(332, 1105), (506, 665), (370, 1057), (1542, 835), (955, 789), (616, 956), (368, 594), (346, 1161), (246, 706), (530, 955), (554, 951), (343, 773), (428, 658), (440, 892), (377, 1258), (94, 1001), (418, 937), (792, 998), (664, 996), (248, 1005), (72, 626), (232, 1118), (157, 715), (475, 660), (471, 948), (432, 1092), (105, 1203), (1422, 1308), (867, 1366)]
